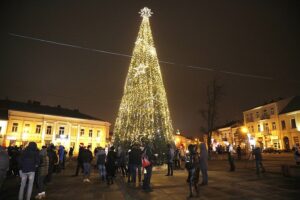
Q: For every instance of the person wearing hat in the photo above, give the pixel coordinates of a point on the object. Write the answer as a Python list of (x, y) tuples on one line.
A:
[(4, 165)]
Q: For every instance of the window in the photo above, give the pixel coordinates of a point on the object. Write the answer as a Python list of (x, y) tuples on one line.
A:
[(258, 127), (27, 127), (38, 129), (98, 133), (257, 114), (296, 140), (61, 131), (273, 125), (81, 132), (283, 125), (293, 123), (265, 112), (15, 127), (272, 111), (91, 133), (49, 130), (266, 127), (0, 128)]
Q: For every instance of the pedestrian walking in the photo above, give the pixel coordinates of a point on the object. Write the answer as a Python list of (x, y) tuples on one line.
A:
[(230, 152), (135, 159), (71, 150), (61, 157), (87, 157), (177, 159), (170, 159), (111, 165), (193, 168), (4, 165), (203, 163), (28, 162), (42, 173), (79, 161), (101, 158), (258, 160)]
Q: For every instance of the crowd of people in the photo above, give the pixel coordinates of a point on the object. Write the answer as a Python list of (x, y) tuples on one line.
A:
[(134, 164)]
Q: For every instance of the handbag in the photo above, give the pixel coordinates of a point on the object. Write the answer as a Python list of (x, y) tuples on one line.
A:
[(145, 162)]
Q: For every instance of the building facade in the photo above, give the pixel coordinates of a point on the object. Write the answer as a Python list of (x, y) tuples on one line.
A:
[(21, 123), (276, 124)]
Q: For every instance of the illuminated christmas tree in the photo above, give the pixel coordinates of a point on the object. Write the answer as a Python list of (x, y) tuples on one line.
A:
[(144, 112)]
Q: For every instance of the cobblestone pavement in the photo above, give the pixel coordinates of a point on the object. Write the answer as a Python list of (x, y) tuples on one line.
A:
[(241, 184)]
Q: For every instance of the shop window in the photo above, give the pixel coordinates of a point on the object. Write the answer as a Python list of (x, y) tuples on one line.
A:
[(90, 133), (293, 123), (49, 130), (61, 131), (82, 132), (38, 129), (15, 127)]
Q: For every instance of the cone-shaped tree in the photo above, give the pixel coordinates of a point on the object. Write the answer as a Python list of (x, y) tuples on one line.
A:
[(144, 112)]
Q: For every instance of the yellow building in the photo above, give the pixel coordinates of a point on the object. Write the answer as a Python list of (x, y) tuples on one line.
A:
[(274, 125), (21, 123)]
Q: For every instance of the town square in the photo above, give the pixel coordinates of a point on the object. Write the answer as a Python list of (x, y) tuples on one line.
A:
[(150, 100)]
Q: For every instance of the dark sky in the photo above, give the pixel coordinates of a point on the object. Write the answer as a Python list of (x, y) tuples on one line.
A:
[(252, 37)]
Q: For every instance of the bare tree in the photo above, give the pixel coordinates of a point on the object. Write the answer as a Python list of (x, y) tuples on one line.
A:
[(210, 113)]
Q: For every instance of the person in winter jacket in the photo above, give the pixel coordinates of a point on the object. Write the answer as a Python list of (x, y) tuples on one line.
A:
[(170, 160), (28, 162), (297, 155), (258, 160), (4, 165), (42, 173), (61, 155), (135, 160), (87, 157), (79, 161), (101, 158), (192, 165), (111, 165), (230, 152), (148, 153), (53, 160)]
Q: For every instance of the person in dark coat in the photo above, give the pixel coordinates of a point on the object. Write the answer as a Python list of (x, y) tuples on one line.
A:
[(87, 157), (42, 173), (53, 160), (193, 167), (4, 165), (135, 160), (170, 159), (258, 160), (148, 153), (239, 152), (28, 162), (230, 153), (71, 152), (111, 165), (79, 161)]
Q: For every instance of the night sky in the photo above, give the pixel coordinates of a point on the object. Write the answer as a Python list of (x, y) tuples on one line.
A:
[(249, 37)]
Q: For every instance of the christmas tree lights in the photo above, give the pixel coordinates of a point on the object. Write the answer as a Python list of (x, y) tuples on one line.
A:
[(144, 112)]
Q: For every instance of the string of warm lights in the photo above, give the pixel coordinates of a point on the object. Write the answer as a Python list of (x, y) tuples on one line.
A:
[(143, 112)]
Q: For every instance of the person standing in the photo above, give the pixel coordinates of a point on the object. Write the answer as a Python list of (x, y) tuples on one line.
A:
[(230, 153), (53, 160), (42, 173), (4, 165), (203, 163), (87, 157), (258, 160), (28, 162), (111, 165), (135, 158), (148, 154), (101, 157), (170, 160), (71, 152), (192, 165)]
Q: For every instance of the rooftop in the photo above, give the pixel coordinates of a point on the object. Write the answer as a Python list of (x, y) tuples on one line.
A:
[(36, 107)]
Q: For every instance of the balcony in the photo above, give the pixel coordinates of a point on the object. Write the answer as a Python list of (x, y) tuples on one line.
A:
[(264, 116)]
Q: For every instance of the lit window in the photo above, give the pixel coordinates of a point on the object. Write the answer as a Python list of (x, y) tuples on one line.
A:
[(267, 127), (293, 123), (272, 111), (283, 125), (27, 127), (38, 129), (274, 125), (14, 127), (98, 133), (81, 132), (49, 130), (61, 131), (90, 133), (258, 127)]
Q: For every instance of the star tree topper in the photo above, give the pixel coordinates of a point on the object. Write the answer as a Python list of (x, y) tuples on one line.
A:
[(146, 12)]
